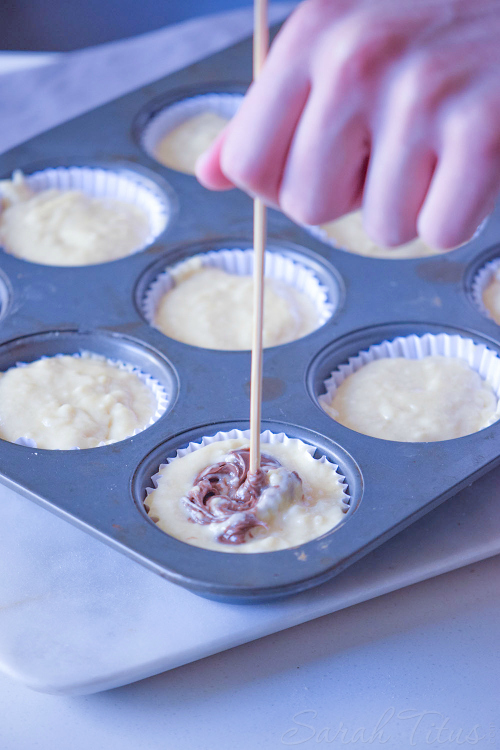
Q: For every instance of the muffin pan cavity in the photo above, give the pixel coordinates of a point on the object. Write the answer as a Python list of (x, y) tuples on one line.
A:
[(257, 575), (291, 269), (150, 205), (124, 354), (175, 131), (481, 360)]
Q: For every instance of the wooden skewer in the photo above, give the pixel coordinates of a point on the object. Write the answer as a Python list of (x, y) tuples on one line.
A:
[(260, 47), (260, 36)]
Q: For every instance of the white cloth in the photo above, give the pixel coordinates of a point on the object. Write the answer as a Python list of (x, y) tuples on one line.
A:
[(66, 85)]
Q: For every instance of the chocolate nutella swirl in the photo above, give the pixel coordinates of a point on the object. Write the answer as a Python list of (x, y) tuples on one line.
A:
[(226, 488)]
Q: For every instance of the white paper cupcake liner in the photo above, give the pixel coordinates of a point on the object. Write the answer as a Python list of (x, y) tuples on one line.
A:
[(266, 437), (240, 263), (224, 105), (482, 360), (481, 280), (123, 185), (161, 396)]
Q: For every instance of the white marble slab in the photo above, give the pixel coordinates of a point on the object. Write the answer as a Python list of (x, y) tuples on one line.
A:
[(76, 616), (427, 653)]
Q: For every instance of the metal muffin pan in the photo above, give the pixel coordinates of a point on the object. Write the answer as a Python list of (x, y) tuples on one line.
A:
[(47, 310)]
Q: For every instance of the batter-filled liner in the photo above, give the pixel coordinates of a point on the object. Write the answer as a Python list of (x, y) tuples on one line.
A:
[(183, 528), (238, 262), (124, 185), (175, 115), (483, 361), (160, 394)]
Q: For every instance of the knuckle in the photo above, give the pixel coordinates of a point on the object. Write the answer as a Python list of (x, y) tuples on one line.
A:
[(360, 47), (304, 15), (417, 85), (347, 53), (314, 14), (428, 69), (300, 32)]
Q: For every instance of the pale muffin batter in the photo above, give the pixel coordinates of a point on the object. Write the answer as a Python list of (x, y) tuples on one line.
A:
[(491, 297), (414, 400), (67, 402), (348, 233), (67, 227), (180, 148), (304, 499), (210, 308)]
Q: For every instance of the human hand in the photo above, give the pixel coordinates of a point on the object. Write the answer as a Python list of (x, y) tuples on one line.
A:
[(389, 104)]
